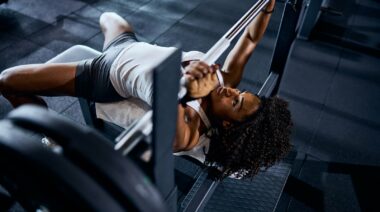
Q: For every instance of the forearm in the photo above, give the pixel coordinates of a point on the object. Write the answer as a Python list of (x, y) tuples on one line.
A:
[(258, 26), (236, 60), (238, 57)]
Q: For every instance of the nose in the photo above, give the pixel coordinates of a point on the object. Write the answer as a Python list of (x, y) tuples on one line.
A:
[(230, 91)]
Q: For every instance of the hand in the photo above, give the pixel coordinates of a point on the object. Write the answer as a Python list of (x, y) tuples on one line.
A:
[(270, 5), (200, 79)]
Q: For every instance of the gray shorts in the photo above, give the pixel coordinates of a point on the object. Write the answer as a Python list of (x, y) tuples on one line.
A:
[(92, 76)]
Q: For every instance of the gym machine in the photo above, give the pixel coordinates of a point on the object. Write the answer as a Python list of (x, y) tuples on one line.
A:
[(84, 172)]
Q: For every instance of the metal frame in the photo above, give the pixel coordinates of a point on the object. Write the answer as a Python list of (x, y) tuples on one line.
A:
[(285, 37), (309, 17), (160, 125), (165, 104)]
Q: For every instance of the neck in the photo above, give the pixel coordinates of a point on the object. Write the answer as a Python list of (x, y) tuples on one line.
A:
[(205, 105)]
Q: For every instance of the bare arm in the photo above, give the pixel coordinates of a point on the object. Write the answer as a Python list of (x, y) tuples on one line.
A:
[(200, 81), (233, 67), (187, 134)]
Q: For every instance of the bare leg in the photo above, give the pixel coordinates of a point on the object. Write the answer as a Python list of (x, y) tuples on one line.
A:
[(21, 84), (112, 25)]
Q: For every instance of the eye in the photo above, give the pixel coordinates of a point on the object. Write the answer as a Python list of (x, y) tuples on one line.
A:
[(235, 102)]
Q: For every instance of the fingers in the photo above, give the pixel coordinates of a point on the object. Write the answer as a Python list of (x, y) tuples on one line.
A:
[(214, 68), (199, 69), (201, 87)]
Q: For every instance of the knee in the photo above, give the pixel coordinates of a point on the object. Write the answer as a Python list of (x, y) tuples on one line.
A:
[(5, 81), (106, 16), (113, 21)]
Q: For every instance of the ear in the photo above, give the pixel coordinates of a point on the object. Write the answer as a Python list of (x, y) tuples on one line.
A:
[(226, 124)]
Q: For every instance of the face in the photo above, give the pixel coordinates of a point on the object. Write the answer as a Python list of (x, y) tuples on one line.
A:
[(232, 105)]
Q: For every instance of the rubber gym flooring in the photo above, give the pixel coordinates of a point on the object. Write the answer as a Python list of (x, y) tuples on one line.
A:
[(331, 81)]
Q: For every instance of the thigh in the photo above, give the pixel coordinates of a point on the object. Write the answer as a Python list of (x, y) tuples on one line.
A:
[(40, 79)]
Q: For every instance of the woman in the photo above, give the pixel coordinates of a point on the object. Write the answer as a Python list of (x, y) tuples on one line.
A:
[(236, 131)]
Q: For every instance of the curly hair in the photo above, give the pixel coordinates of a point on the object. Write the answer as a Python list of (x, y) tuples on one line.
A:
[(258, 142)]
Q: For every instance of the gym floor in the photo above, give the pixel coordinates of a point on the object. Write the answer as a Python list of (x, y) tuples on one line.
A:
[(331, 81)]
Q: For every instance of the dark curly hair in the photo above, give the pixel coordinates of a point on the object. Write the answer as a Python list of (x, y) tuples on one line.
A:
[(258, 142)]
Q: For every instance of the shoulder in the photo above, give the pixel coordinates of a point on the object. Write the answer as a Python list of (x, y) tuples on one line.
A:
[(191, 115), (194, 123), (187, 135)]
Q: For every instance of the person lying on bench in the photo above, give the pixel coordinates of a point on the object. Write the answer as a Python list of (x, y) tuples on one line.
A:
[(236, 130)]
